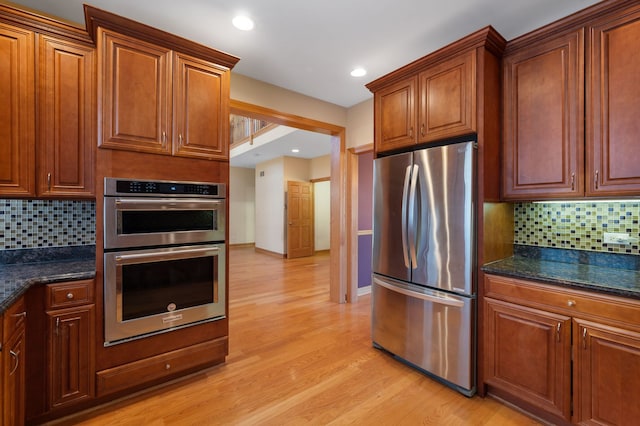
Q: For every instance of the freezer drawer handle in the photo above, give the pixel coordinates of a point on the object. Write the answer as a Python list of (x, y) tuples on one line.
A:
[(442, 300)]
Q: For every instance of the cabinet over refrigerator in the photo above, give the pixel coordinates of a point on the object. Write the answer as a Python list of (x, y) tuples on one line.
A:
[(424, 282)]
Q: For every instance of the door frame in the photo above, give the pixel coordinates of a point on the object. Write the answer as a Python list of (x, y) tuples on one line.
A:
[(340, 285)]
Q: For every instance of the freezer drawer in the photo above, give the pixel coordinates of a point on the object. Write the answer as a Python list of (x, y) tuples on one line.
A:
[(430, 329)]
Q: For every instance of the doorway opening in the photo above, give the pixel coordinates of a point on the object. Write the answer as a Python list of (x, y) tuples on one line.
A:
[(340, 288)]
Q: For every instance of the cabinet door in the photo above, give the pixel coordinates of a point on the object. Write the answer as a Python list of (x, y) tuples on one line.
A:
[(607, 374), (395, 115), (448, 99), (528, 354), (17, 125), (13, 379), (612, 107), (201, 101), (71, 340), (135, 94), (543, 120), (66, 104)]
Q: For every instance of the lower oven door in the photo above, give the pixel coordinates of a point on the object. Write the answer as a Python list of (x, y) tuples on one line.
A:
[(156, 290)]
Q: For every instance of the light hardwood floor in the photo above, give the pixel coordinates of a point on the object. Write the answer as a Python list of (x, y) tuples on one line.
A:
[(296, 358)]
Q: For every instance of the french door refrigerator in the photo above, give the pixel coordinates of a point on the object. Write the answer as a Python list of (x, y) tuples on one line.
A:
[(423, 287)]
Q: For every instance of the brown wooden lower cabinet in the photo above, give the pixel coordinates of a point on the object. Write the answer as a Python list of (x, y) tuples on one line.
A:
[(70, 355), (606, 374), (529, 355), (12, 365), (565, 355)]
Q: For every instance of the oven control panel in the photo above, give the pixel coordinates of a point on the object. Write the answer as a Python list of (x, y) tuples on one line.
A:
[(123, 187)]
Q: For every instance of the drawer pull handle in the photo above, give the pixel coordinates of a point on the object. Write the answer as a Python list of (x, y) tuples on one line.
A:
[(20, 315), (584, 338), (70, 296), (571, 303), (596, 179), (16, 357), (573, 181), (558, 327)]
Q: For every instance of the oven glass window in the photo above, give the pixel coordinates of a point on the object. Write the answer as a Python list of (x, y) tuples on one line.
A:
[(156, 287), (158, 221)]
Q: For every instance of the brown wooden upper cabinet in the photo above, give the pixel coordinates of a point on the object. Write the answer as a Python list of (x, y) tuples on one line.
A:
[(563, 142), (63, 94), (613, 105), (160, 101), (437, 103), (448, 98), (17, 118), (66, 102), (395, 109)]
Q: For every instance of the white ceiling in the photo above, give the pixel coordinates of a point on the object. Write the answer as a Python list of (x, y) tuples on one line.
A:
[(310, 46), (278, 143)]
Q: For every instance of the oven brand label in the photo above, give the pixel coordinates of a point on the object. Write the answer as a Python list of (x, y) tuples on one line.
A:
[(171, 318)]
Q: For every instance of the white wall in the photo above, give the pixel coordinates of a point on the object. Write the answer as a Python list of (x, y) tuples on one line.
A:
[(360, 124), (266, 95), (320, 167), (242, 205), (322, 215), (296, 169), (270, 206)]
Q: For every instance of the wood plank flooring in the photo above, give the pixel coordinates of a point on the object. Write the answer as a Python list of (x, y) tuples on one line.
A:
[(296, 358)]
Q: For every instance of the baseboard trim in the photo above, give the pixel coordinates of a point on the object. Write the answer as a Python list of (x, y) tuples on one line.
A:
[(364, 290), (270, 253), (242, 245)]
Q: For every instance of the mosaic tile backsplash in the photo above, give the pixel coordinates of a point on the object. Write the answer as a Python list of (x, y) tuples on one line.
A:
[(578, 226), (46, 223)]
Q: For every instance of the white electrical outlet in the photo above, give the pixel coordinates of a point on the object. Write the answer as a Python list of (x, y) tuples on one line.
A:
[(616, 238)]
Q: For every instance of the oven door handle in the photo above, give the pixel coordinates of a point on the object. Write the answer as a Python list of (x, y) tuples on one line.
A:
[(166, 255), (142, 203)]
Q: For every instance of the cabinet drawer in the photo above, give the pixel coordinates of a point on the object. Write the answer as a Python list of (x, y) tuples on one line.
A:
[(64, 295), (14, 317), (158, 367), (589, 305)]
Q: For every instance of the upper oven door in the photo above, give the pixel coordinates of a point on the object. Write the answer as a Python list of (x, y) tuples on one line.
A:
[(142, 222)]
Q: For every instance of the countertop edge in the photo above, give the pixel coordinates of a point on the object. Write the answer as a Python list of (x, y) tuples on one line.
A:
[(561, 281), (21, 288)]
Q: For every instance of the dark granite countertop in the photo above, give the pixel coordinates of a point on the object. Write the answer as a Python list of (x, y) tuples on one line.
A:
[(20, 269), (615, 274)]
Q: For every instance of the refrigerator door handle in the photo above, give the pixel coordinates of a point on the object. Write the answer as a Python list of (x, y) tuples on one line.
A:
[(405, 196), (412, 219), (439, 299)]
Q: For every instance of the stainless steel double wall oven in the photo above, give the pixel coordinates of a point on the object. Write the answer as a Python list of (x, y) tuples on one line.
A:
[(164, 256)]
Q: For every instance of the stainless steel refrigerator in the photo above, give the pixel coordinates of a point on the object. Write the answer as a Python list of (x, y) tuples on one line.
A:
[(423, 287)]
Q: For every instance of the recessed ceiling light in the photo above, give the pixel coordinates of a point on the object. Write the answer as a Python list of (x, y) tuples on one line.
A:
[(243, 23), (295, 150), (358, 72)]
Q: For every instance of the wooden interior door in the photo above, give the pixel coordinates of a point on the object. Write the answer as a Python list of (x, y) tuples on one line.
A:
[(299, 219)]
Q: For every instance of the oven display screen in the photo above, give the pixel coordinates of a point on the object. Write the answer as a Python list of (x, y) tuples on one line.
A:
[(161, 287)]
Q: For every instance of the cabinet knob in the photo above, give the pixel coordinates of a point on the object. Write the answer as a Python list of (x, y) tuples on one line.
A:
[(167, 366), (70, 296), (571, 303)]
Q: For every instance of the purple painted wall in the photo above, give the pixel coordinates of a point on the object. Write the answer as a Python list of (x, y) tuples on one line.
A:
[(365, 191), (365, 217), (364, 260)]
